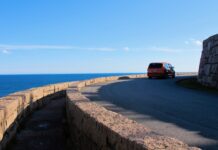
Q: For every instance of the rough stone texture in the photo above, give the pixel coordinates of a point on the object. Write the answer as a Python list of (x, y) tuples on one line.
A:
[(94, 127), (15, 107), (208, 70)]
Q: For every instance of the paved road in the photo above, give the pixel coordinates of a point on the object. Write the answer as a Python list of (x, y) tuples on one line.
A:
[(164, 107)]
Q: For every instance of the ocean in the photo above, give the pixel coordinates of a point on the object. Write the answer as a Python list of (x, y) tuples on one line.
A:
[(13, 83)]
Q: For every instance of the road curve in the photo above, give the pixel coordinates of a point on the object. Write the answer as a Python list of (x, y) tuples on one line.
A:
[(161, 105)]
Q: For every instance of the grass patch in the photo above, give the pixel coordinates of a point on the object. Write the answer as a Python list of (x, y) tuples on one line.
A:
[(192, 83)]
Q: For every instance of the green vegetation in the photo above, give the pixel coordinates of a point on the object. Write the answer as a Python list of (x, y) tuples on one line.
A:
[(192, 83)]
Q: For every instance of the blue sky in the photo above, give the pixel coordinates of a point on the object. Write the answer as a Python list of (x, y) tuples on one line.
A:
[(97, 36)]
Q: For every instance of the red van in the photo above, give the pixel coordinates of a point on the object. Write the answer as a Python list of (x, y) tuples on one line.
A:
[(160, 69)]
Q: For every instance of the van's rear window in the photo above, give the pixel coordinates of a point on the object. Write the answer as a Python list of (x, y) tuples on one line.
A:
[(155, 65)]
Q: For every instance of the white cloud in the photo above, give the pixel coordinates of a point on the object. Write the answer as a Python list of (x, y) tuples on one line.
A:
[(165, 49), (24, 47), (107, 49), (61, 47), (5, 51), (186, 42), (159, 49), (126, 48), (194, 42), (198, 42)]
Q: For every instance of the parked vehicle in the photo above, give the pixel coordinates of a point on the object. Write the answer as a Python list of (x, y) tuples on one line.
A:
[(160, 69)]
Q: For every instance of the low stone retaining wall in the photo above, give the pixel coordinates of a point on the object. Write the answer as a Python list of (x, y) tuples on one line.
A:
[(94, 127), (208, 70), (91, 126), (17, 106)]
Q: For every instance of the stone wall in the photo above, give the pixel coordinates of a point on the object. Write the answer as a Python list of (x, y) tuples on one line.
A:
[(208, 70), (91, 126), (17, 106), (95, 128)]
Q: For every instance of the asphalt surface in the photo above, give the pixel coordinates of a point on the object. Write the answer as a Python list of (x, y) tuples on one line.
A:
[(161, 105)]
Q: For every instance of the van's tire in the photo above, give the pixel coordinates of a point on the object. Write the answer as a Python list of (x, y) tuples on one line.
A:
[(173, 76), (149, 77)]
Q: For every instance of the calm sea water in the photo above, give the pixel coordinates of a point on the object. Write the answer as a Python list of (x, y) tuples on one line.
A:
[(14, 83)]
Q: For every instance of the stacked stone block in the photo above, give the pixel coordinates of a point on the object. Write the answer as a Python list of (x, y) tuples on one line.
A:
[(208, 70)]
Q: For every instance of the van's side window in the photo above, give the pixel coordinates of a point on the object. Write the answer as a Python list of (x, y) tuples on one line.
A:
[(166, 66)]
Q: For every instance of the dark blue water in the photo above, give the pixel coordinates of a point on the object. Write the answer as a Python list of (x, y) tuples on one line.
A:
[(14, 83)]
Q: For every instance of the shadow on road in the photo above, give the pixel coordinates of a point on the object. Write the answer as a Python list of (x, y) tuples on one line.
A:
[(163, 100)]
